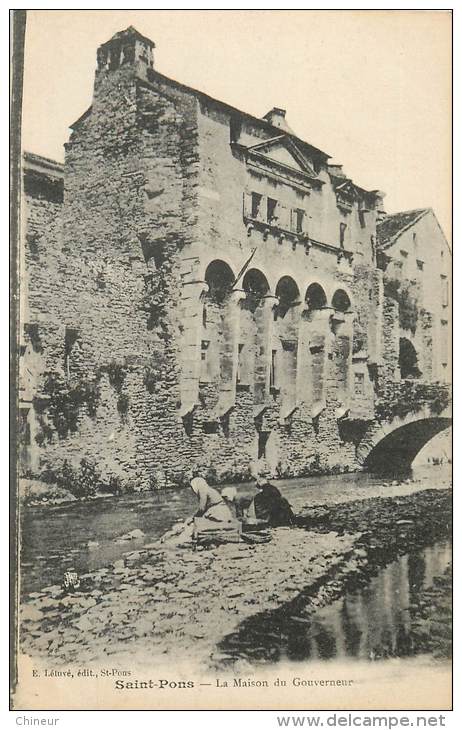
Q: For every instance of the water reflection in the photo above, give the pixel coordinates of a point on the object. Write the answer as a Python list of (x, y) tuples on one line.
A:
[(373, 622)]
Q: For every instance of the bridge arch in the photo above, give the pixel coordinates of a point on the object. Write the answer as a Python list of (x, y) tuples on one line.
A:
[(393, 446)]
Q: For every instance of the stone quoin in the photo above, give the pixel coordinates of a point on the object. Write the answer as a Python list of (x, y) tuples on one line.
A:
[(201, 287)]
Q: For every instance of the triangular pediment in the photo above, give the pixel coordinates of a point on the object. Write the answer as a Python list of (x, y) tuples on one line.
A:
[(283, 151), (345, 188), (282, 154)]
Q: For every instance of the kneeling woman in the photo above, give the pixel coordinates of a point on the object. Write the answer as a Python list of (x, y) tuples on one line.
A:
[(211, 506)]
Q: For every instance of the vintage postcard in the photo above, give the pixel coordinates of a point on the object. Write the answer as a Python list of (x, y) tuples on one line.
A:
[(233, 260)]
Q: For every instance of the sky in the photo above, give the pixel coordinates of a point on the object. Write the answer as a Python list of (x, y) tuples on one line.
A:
[(370, 88)]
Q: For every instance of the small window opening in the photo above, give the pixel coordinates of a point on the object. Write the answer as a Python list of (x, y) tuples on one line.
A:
[(359, 383), (256, 203), (210, 427), (263, 437), (273, 369), (271, 210), (299, 215), (70, 339), (444, 290), (205, 360), (408, 362), (239, 371)]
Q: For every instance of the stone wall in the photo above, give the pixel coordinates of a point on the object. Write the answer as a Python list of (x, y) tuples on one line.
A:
[(128, 194), (420, 255), (41, 325)]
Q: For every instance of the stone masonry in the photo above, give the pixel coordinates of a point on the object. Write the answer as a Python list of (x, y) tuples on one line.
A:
[(200, 288)]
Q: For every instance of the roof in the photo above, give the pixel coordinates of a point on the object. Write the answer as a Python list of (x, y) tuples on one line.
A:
[(129, 32), (392, 226), (154, 76), (43, 178), (41, 164), (264, 122)]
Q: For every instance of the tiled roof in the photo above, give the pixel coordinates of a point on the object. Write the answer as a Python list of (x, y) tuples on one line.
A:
[(42, 164), (392, 226)]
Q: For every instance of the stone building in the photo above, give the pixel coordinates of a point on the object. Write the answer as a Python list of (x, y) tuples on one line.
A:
[(416, 260), (201, 287)]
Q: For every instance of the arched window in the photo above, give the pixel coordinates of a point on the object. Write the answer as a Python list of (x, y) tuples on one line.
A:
[(220, 278), (408, 361), (215, 322), (252, 326), (341, 301), (286, 332), (288, 294), (315, 297), (255, 283)]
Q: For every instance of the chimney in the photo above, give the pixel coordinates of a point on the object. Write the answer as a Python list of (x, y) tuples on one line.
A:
[(336, 170), (277, 117), (128, 47), (379, 205)]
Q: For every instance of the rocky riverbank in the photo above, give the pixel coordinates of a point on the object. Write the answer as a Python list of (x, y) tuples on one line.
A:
[(178, 604)]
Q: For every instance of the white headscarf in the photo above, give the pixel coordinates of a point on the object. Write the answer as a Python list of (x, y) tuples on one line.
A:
[(198, 483), (229, 493)]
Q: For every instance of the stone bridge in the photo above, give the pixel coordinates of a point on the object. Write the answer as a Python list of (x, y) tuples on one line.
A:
[(412, 415)]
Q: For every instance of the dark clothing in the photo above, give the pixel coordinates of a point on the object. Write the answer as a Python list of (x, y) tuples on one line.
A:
[(241, 504), (272, 507)]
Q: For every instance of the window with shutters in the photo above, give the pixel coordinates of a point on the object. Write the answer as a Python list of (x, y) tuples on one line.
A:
[(256, 205), (272, 211), (297, 220)]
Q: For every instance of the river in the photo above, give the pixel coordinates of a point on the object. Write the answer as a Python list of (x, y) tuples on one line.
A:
[(86, 535)]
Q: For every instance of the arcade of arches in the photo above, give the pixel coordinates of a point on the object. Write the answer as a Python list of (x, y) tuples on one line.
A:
[(280, 351), (276, 368), (273, 343)]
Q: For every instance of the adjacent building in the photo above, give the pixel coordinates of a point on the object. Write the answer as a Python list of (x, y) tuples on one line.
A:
[(417, 264)]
